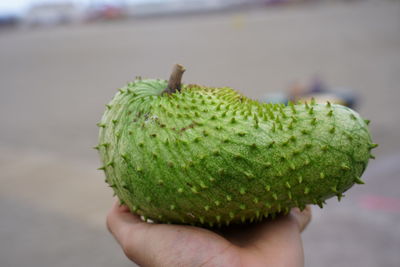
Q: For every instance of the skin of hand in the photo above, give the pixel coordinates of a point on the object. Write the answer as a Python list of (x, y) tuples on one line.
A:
[(274, 243)]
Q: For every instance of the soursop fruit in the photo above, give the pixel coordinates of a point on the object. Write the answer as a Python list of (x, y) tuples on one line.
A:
[(191, 154)]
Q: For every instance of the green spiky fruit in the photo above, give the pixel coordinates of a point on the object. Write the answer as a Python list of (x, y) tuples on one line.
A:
[(211, 156)]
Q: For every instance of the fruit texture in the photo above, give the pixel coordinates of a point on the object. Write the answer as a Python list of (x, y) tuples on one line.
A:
[(211, 156)]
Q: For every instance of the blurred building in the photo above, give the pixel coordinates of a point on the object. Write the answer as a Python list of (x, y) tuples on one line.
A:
[(149, 8), (52, 14), (8, 21), (154, 7), (69, 11)]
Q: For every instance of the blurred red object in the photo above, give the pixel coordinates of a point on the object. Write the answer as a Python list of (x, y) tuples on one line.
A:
[(380, 203)]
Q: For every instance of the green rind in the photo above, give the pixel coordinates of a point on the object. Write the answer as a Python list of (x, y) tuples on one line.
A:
[(212, 156)]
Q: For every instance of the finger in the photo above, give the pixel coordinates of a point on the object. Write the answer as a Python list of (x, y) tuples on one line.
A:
[(303, 218), (155, 244), (120, 222), (278, 240)]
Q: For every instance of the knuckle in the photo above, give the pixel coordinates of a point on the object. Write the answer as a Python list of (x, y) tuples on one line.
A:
[(108, 222)]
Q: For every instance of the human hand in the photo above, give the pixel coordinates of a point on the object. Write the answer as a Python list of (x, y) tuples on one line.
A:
[(269, 243)]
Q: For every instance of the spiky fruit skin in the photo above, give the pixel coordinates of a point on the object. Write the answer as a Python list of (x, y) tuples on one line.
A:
[(210, 156)]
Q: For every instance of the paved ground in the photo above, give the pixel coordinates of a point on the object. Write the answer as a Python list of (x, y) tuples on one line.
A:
[(55, 82)]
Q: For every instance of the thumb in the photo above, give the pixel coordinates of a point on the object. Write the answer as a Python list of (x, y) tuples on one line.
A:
[(120, 222)]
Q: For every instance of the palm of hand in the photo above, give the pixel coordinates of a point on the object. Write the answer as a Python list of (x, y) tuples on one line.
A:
[(269, 243)]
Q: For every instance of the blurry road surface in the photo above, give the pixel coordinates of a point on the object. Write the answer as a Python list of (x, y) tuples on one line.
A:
[(55, 82)]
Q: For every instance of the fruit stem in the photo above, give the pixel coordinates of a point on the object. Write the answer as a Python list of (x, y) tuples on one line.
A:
[(174, 83)]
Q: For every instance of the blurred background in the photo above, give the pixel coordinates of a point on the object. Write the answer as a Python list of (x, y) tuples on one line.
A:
[(61, 61)]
